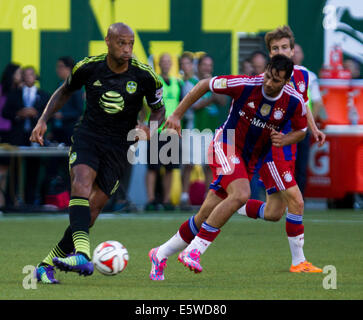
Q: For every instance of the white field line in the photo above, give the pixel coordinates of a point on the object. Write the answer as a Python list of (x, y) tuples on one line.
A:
[(162, 216)]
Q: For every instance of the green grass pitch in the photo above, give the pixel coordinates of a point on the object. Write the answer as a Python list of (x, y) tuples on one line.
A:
[(249, 260)]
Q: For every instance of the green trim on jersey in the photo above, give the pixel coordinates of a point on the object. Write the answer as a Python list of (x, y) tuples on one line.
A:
[(143, 66), (88, 60)]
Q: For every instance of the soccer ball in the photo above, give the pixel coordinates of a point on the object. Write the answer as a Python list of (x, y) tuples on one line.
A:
[(110, 257)]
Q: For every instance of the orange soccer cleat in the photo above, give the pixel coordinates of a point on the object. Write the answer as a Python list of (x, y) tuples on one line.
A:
[(305, 267)]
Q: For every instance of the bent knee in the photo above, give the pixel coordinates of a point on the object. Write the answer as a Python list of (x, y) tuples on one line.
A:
[(297, 206), (274, 218), (239, 198), (274, 211), (81, 187)]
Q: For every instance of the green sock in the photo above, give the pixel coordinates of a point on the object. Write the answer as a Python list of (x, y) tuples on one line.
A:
[(55, 252), (81, 243), (80, 217)]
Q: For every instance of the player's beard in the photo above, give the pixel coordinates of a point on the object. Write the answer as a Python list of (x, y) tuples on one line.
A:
[(121, 60), (272, 92)]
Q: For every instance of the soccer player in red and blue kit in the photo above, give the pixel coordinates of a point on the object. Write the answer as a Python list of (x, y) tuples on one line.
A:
[(277, 172), (261, 107)]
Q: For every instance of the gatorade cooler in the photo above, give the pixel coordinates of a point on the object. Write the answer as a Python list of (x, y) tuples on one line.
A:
[(356, 96), (335, 98), (336, 168), (334, 86)]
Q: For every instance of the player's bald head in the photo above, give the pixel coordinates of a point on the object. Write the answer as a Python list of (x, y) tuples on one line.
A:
[(120, 42), (117, 29)]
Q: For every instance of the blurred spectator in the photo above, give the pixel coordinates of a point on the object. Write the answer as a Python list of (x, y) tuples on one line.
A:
[(189, 81), (61, 127), (247, 67), (316, 106), (66, 118), (259, 61), (10, 80), (171, 96), (23, 107), (186, 62), (354, 66), (207, 114)]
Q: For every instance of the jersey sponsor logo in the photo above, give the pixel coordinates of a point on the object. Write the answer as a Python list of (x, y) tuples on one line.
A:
[(112, 102), (278, 114), (131, 87), (72, 157), (258, 123), (301, 86), (220, 83), (265, 109), (262, 124), (97, 83)]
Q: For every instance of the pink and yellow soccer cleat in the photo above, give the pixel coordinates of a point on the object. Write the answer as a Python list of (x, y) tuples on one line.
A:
[(305, 267), (157, 267), (191, 259)]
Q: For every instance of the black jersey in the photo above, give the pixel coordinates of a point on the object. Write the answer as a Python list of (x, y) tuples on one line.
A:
[(113, 100)]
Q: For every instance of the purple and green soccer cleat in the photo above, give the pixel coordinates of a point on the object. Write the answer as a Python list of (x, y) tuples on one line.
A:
[(45, 274), (74, 263)]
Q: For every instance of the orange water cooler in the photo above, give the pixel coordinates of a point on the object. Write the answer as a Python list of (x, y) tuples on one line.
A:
[(336, 168)]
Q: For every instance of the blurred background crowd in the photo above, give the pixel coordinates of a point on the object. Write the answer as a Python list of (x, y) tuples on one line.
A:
[(184, 41), (23, 100)]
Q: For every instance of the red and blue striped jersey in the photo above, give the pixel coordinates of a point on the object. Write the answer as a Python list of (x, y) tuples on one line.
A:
[(253, 115), (300, 82)]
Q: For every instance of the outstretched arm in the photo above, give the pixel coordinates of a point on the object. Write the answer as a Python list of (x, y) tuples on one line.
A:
[(55, 103), (173, 121)]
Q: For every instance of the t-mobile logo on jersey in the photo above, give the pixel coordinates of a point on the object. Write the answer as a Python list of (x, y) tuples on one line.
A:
[(262, 124)]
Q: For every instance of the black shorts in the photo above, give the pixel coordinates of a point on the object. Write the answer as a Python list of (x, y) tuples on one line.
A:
[(169, 161), (106, 155)]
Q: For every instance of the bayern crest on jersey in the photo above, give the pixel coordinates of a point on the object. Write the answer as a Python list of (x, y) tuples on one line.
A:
[(301, 86), (287, 176), (234, 159), (278, 114)]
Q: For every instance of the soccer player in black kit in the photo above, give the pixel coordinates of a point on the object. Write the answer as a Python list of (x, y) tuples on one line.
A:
[(116, 85)]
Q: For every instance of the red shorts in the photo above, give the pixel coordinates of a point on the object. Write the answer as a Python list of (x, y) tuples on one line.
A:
[(226, 166), (278, 175)]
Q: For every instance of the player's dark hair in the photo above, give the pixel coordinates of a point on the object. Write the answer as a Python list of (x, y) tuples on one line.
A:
[(278, 34), (280, 62), (68, 61), (188, 55), (7, 78), (259, 53), (205, 56)]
